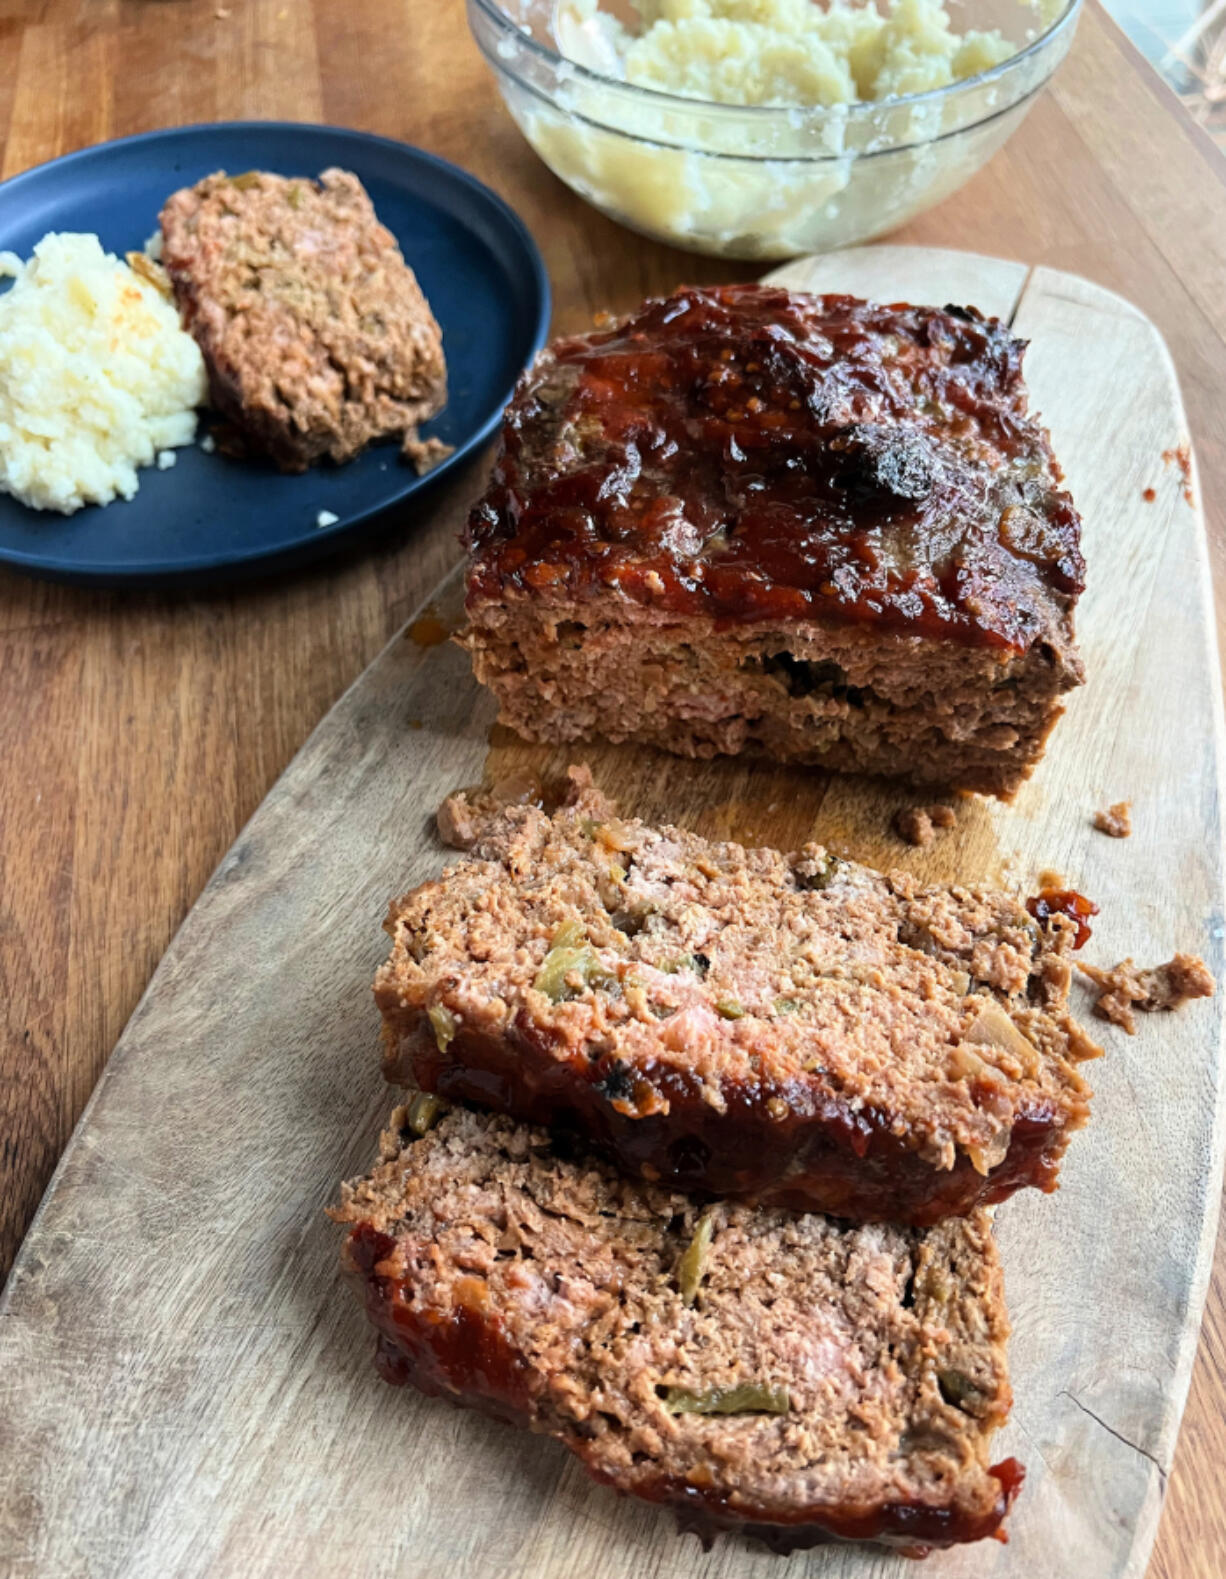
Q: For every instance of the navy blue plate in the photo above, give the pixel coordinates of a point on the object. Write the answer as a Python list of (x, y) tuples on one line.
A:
[(207, 515)]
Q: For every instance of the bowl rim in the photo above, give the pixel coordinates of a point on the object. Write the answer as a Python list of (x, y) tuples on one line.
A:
[(862, 107)]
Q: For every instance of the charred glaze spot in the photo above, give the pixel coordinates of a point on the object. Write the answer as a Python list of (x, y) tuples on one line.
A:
[(878, 465), (617, 1084)]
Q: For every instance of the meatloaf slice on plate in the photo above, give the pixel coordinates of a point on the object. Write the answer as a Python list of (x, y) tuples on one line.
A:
[(314, 329), (787, 1376), (793, 1029), (751, 519)]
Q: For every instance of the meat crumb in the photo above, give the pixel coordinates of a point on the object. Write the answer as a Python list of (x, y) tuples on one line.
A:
[(1168, 986), (1116, 821), (467, 814), (1149, 494), (464, 816), (456, 820), (425, 454), (918, 825)]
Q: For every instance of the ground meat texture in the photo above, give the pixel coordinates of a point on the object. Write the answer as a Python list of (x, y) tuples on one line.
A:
[(1116, 821), (315, 332), (862, 1370), (1125, 988), (792, 1029), (748, 519), (918, 825)]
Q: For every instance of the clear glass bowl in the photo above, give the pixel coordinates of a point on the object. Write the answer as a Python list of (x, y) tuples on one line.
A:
[(755, 182)]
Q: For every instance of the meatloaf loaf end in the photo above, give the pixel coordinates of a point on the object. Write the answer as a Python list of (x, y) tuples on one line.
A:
[(792, 1029), (786, 1376), (750, 519), (316, 335)]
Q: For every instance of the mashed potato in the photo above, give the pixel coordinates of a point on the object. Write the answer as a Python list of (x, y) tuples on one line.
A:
[(96, 376), (787, 52), (765, 129)]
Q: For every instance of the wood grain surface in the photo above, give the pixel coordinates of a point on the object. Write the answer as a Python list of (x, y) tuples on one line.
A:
[(181, 1249), (139, 733)]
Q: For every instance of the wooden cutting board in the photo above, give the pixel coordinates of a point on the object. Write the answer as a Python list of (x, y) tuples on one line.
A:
[(185, 1386)]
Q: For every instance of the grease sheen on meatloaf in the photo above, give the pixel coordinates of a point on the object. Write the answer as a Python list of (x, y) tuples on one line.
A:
[(316, 334), (788, 1028), (865, 1367), (752, 519)]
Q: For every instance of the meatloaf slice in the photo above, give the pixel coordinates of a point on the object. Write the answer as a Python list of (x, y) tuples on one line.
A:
[(315, 332), (793, 1029), (783, 1375), (751, 519)]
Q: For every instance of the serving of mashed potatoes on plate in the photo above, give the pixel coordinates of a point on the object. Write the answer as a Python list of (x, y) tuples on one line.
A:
[(96, 376), (781, 52)]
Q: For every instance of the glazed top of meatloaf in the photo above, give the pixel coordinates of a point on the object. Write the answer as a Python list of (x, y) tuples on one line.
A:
[(776, 1366), (632, 954), (753, 453)]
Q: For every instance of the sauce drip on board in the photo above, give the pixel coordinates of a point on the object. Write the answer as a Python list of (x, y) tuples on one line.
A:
[(1064, 902)]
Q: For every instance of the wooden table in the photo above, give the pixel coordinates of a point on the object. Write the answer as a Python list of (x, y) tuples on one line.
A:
[(139, 732)]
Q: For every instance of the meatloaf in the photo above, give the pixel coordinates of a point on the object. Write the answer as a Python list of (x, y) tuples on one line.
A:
[(750, 519), (316, 335), (792, 1029), (786, 1376)]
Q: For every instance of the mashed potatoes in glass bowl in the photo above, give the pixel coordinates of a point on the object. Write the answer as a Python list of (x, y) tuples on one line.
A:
[(769, 128)]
